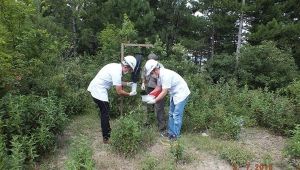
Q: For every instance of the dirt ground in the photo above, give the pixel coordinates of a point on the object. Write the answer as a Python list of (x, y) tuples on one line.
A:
[(259, 141)]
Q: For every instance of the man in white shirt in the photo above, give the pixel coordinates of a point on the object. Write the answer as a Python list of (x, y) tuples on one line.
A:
[(110, 75), (170, 81), (148, 84)]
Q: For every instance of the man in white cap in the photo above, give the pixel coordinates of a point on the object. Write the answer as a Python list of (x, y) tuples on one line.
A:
[(110, 75), (148, 84), (172, 82)]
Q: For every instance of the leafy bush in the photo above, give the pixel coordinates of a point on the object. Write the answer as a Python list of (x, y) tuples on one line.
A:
[(227, 128), (273, 111), (126, 137), (29, 125), (293, 92), (293, 145), (150, 163), (221, 67), (266, 66), (3, 155), (236, 155), (177, 150), (80, 156), (224, 104)]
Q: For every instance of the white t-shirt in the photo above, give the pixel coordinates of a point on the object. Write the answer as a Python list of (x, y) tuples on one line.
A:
[(110, 75), (175, 84)]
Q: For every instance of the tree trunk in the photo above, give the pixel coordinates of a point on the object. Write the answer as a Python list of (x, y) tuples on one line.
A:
[(238, 47)]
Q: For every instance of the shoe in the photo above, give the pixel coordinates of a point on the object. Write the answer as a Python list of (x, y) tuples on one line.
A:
[(164, 134), (106, 140), (172, 138)]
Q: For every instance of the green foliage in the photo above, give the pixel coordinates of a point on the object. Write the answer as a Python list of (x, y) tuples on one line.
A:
[(177, 150), (183, 68), (224, 107), (80, 155), (18, 156), (23, 152), (150, 163), (3, 154), (266, 66), (127, 136), (273, 111), (293, 145), (221, 67), (293, 92), (236, 155), (179, 52), (110, 40), (267, 159), (128, 31), (30, 123), (227, 128), (159, 48)]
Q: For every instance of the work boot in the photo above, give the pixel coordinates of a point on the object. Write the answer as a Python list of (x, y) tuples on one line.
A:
[(106, 140), (164, 134)]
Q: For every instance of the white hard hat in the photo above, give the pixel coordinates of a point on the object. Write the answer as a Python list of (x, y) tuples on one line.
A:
[(129, 60), (150, 65)]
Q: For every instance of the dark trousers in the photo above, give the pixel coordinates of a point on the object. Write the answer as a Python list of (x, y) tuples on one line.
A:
[(159, 109), (104, 117)]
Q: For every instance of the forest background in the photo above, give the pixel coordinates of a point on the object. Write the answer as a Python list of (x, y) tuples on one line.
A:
[(241, 60)]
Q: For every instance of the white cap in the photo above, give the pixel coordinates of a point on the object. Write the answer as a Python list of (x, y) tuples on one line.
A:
[(150, 65), (129, 60)]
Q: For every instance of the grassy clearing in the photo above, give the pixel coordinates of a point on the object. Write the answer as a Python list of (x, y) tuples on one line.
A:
[(195, 151)]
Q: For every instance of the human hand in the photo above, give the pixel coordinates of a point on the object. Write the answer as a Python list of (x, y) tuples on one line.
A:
[(129, 84), (143, 86), (152, 101), (132, 93)]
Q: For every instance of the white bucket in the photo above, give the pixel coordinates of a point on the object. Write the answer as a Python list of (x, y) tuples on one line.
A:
[(146, 98)]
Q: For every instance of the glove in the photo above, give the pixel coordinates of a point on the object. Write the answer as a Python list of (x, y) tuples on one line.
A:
[(143, 86), (132, 93), (152, 101), (129, 84)]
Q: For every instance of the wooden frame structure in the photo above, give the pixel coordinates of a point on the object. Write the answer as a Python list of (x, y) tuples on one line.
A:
[(123, 45)]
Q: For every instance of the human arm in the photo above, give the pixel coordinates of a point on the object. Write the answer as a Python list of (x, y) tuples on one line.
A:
[(127, 83), (161, 95), (143, 77), (121, 92)]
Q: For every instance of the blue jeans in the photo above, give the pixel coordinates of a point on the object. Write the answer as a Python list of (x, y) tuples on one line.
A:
[(175, 117)]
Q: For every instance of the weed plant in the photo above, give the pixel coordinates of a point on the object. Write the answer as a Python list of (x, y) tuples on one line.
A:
[(80, 156), (126, 137), (150, 163), (236, 155), (293, 145)]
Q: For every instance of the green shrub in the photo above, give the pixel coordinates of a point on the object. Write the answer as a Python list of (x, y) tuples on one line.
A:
[(266, 66), (150, 163), (293, 145), (177, 150), (217, 104), (80, 156), (227, 128), (273, 111), (126, 137), (3, 155), (236, 155), (30, 123), (293, 92), (17, 157), (221, 67)]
